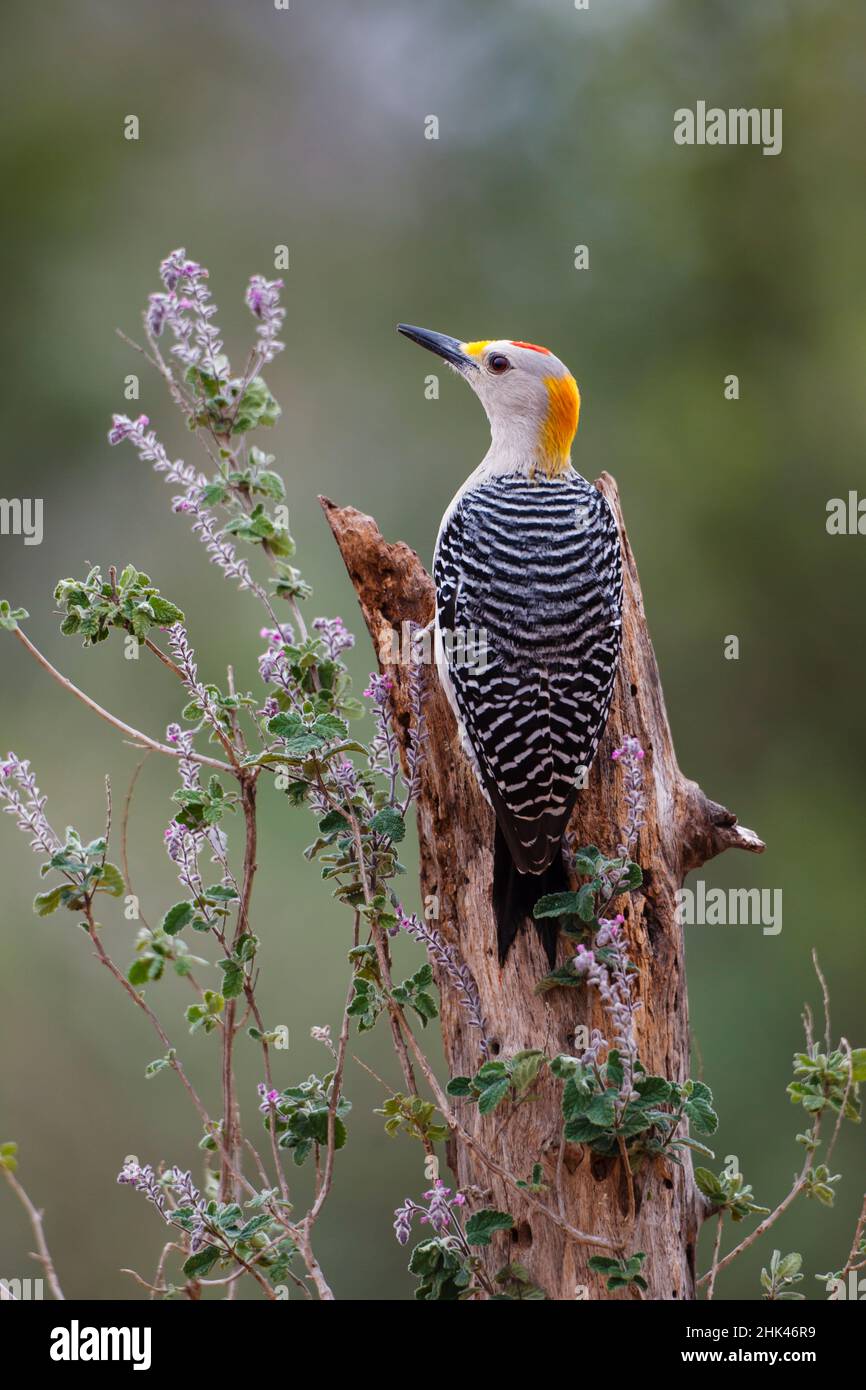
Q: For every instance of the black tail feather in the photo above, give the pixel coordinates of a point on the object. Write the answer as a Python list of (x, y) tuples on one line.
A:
[(515, 895)]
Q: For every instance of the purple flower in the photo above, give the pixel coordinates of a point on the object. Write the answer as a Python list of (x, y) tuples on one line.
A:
[(335, 635), (269, 1098), (263, 300), (278, 636), (630, 749), (379, 689), (403, 1222), (124, 428), (176, 267), (632, 756), (26, 803), (447, 959), (143, 1179), (437, 1213), (345, 776), (157, 309)]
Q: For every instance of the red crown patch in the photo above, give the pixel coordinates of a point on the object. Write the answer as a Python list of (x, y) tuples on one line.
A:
[(533, 347)]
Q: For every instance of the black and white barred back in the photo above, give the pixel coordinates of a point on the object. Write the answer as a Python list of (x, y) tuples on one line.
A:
[(532, 568)]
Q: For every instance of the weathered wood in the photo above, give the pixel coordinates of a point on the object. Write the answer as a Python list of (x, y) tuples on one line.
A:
[(682, 829)]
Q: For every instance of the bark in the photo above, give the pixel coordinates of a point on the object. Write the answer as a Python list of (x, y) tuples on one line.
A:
[(683, 829)]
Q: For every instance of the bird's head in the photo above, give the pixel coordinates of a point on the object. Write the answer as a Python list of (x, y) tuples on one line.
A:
[(531, 398)]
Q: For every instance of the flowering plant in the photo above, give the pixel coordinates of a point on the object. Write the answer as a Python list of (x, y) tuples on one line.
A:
[(293, 735)]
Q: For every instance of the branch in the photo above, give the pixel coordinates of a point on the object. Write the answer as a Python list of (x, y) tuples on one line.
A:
[(135, 736), (44, 1255)]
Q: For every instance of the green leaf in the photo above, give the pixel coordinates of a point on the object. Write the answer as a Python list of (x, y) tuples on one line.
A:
[(561, 978), (630, 878), (233, 978), (483, 1224), (271, 485), (286, 725), (213, 494), (220, 892), (160, 1064), (111, 881), (11, 617), (699, 1109), (177, 918), (389, 822), (46, 903), (201, 1262), (329, 726), (709, 1184), (8, 1156), (557, 905), (654, 1090), (491, 1071), (613, 1070), (587, 861), (601, 1110), (459, 1086), (164, 613), (576, 1098), (525, 1068), (139, 972), (858, 1064), (582, 1131), (492, 1095)]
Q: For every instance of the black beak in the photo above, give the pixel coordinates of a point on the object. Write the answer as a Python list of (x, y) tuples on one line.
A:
[(440, 343)]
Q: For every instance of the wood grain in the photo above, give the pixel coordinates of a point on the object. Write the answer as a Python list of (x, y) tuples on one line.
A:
[(683, 828)]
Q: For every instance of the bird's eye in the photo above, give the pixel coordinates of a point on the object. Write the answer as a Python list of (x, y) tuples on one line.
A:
[(498, 364)]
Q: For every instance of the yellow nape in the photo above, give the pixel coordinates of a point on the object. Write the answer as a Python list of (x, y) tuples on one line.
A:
[(476, 349), (560, 425)]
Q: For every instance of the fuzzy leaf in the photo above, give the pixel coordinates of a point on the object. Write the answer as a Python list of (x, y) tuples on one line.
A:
[(177, 918), (483, 1224)]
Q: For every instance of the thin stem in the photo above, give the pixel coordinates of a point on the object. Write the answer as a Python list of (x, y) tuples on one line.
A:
[(852, 1261), (798, 1185), (394, 1010), (135, 735), (336, 1088), (714, 1267), (35, 1217), (825, 995), (148, 1011), (623, 1153), (845, 1047)]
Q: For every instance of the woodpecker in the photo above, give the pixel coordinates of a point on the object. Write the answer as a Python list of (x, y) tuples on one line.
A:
[(528, 575)]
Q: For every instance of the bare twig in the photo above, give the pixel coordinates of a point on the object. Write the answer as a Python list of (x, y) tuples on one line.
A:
[(134, 735), (35, 1217), (714, 1266)]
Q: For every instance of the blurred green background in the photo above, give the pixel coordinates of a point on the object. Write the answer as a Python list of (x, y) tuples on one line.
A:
[(259, 128)]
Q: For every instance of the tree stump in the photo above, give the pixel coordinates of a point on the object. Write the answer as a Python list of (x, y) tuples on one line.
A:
[(682, 830)]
